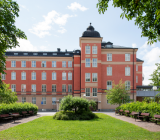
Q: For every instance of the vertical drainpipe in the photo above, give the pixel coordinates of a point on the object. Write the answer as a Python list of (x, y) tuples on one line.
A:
[(80, 75), (133, 74)]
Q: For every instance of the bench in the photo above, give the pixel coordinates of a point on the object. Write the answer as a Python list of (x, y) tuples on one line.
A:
[(15, 115), (24, 113), (144, 115), (135, 114), (31, 112), (127, 112), (156, 118), (121, 112), (5, 116)]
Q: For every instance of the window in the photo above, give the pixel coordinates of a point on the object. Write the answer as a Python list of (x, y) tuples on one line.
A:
[(127, 85), (15, 53), (43, 88), (69, 76), (87, 91), (33, 88), (87, 49), (63, 76), (94, 64), (13, 63), (23, 74), (94, 49), (23, 99), (94, 77), (136, 79), (127, 57), (66, 53), (69, 88), (127, 71), (44, 100), (33, 63), (35, 53), (63, 88), (25, 53), (23, 88), (94, 91), (136, 67), (109, 70), (43, 63), (23, 63), (109, 57), (43, 76), (109, 85), (33, 100), (87, 75), (69, 63), (108, 102), (54, 64), (44, 53), (63, 63), (53, 75), (54, 54), (33, 75), (3, 76), (53, 101), (13, 76), (87, 62), (53, 88), (13, 87)]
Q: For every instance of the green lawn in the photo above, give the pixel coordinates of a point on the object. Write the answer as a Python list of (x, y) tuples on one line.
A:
[(104, 128)]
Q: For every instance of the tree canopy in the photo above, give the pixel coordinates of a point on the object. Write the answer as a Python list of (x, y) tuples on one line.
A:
[(6, 94), (145, 12), (9, 33), (118, 94)]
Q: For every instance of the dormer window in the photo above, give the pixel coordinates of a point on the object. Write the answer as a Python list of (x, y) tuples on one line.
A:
[(25, 53), (44, 53), (15, 53), (66, 53), (109, 45), (35, 53), (54, 53)]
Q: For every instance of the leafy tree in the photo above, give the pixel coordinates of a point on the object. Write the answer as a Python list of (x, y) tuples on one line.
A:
[(8, 32), (118, 94), (6, 94), (145, 12)]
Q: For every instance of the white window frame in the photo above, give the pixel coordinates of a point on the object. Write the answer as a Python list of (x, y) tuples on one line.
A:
[(63, 88), (109, 71), (87, 50), (94, 49), (13, 87), (87, 77), (44, 76), (13, 63), (3, 76), (13, 75), (127, 71), (23, 64), (54, 76), (94, 62), (33, 63), (88, 92), (54, 88), (69, 88), (33, 100), (69, 64), (109, 85), (94, 90), (44, 100), (23, 76), (23, 88), (136, 79), (33, 88), (54, 64), (109, 57), (127, 85), (88, 62), (53, 100), (33, 75), (127, 57), (43, 88), (43, 64), (69, 76), (136, 67), (63, 75), (94, 77), (64, 64), (23, 99)]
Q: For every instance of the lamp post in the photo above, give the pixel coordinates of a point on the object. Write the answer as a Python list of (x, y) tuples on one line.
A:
[(154, 88)]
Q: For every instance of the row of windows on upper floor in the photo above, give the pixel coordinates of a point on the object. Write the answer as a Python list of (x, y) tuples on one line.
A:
[(44, 76), (43, 64)]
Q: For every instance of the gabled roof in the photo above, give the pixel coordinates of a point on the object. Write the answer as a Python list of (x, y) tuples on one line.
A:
[(139, 60)]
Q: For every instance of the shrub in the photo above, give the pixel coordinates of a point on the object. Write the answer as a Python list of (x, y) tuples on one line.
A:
[(18, 108)]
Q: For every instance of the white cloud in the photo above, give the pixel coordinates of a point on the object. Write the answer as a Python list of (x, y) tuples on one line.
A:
[(75, 6), (23, 6), (134, 45), (62, 30), (42, 28)]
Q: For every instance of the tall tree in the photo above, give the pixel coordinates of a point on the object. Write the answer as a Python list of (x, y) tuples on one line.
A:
[(6, 94), (9, 33), (145, 12), (118, 94)]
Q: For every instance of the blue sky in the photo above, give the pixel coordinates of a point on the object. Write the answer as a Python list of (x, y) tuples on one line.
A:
[(54, 24)]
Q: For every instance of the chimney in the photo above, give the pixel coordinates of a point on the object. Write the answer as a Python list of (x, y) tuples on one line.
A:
[(65, 50), (58, 49)]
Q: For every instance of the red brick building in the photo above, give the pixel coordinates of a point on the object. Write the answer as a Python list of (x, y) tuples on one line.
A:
[(86, 73)]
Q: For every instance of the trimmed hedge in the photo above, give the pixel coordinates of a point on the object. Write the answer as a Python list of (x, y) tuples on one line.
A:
[(18, 108), (152, 108)]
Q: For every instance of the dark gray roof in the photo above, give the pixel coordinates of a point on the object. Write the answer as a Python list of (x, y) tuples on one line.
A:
[(146, 86), (139, 60)]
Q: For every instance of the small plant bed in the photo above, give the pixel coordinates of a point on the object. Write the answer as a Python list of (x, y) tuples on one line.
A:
[(75, 109)]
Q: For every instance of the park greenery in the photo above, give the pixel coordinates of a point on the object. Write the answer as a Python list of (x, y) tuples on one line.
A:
[(75, 108), (9, 33), (145, 12), (6, 94), (144, 107), (118, 94), (17, 108)]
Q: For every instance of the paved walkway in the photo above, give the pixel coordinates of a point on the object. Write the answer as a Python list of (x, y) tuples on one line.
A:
[(146, 125)]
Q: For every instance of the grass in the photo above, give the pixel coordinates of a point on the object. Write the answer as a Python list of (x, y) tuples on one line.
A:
[(104, 128)]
